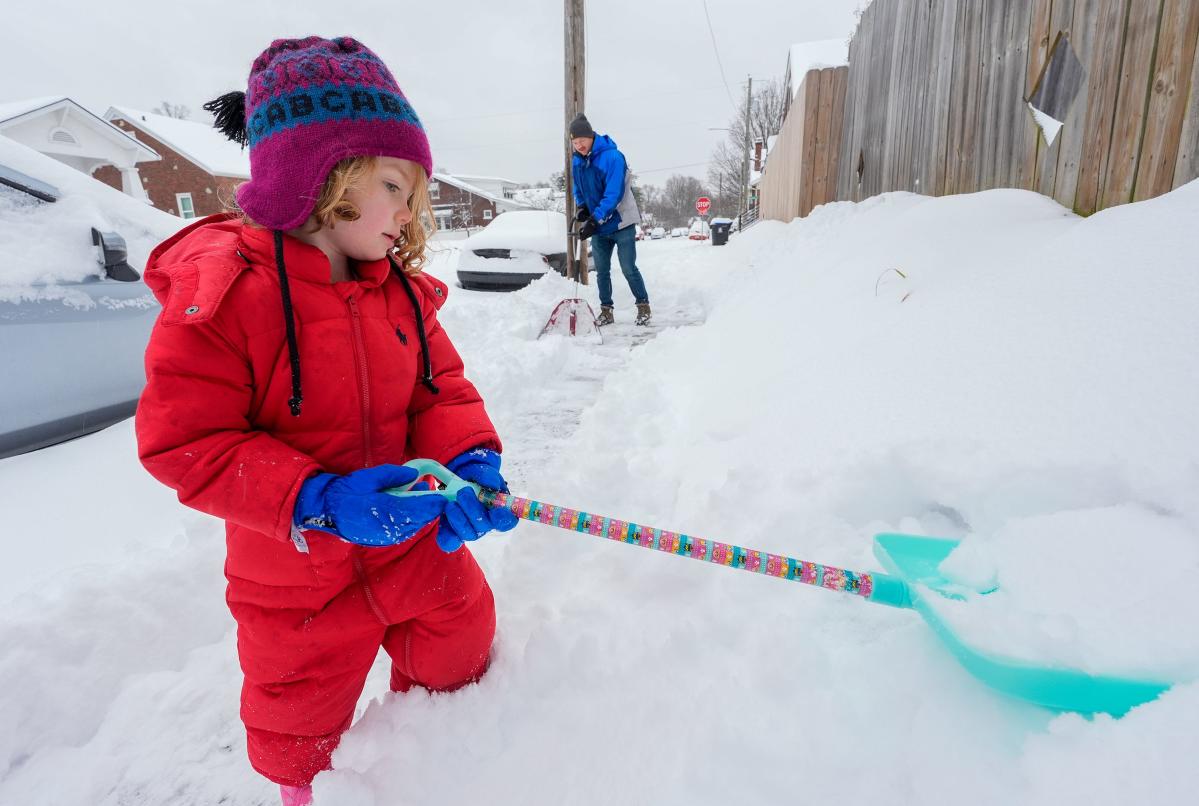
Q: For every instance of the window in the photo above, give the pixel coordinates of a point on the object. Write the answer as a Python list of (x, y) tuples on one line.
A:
[(434, 190), (183, 203), (486, 215)]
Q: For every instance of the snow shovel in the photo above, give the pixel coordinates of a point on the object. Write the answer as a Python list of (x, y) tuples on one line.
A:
[(913, 583), (574, 317)]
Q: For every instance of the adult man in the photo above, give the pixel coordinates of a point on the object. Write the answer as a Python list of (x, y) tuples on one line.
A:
[(608, 214)]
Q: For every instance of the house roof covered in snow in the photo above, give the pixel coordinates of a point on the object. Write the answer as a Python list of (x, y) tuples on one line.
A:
[(199, 142), (458, 182), (15, 113)]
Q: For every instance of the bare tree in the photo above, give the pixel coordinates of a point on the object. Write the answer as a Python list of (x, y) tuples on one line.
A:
[(724, 168), (674, 204), (171, 110)]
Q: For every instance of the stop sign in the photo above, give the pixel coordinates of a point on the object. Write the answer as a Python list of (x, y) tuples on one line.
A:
[(702, 204)]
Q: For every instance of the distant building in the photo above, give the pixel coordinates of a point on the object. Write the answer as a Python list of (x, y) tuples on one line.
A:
[(199, 169), (60, 128), (459, 204)]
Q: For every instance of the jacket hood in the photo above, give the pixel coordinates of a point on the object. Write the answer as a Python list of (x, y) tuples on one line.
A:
[(190, 272)]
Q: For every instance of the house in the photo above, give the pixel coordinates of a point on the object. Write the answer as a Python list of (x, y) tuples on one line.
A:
[(458, 204), (60, 128), (493, 185), (199, 169)]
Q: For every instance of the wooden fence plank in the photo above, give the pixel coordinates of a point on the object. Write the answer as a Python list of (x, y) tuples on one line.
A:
[(963, 122), (1020, 156), (1168, 96), (807, 173), (920, 66), (944, 45), (1136, 72), (1040, 39), (1048, 155), (1187, 167), (840, 84), (1103, 75)]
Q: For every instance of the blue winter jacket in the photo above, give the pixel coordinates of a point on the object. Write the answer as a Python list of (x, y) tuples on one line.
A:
[(601, 183)]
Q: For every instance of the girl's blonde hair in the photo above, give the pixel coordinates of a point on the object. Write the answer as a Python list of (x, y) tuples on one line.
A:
[(332, 206)]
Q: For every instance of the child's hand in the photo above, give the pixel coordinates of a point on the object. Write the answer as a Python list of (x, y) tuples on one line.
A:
[(354, 508), (466, 518), (480, 465)]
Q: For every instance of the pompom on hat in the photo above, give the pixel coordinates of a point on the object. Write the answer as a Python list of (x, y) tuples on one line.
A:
[(311, 103)]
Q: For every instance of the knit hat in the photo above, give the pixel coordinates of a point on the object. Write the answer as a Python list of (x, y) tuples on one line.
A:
[(581, 127), (311, 103)]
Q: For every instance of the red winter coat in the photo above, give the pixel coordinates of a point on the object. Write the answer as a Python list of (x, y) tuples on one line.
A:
[(214, 424)]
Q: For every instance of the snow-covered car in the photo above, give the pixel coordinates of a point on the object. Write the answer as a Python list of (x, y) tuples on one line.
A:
[(700, 231), (641, 233), (657, 232), (74, 314), (678, 232), (515, 249)]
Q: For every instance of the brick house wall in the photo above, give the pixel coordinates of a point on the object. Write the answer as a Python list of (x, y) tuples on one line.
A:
[(452, 195), (174, 173)]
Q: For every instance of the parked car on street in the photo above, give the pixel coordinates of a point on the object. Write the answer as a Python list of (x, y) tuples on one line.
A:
[(678, 232), (75, 316), (657, 232), (515, 249)]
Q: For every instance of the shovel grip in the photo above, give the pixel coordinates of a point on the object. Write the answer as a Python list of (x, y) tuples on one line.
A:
[(879, 588)]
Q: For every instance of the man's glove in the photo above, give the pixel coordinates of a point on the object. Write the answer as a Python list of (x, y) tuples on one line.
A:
[(582, 214), (588, 229), (354, 508), (466, 518)]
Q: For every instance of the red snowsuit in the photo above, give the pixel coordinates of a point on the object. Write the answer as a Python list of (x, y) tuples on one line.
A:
[(214, 424)]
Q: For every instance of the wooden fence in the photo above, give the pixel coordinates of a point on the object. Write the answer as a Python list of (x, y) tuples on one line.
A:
[(802, 170), (936, 95), (937, 89)]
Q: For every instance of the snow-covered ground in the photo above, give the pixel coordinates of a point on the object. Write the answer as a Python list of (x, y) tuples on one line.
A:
[(1028, 382)]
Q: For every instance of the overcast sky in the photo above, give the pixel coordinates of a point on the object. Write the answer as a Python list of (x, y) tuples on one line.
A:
[(485, 77)]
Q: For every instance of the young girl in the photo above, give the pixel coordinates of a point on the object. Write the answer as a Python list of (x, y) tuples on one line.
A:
[(296, 363)]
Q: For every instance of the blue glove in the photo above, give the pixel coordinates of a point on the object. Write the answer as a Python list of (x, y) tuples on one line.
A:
[(465, 518), (354, 508)]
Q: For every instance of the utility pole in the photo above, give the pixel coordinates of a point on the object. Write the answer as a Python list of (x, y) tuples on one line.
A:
[(742, 202), (576, 84)]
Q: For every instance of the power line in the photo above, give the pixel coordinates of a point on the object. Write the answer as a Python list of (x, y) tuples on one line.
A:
[(541, 109), (670, 168), (716, 50)]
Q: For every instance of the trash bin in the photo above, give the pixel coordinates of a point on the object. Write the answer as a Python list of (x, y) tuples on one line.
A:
[(720, 231)]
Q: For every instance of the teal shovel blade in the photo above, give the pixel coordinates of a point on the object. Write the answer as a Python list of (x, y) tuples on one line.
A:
[(915, 560)]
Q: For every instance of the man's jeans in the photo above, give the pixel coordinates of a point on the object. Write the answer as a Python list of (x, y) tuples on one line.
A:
[(625, 242)]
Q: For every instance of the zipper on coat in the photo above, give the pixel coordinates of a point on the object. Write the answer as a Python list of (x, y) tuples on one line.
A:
[(366, 588), (363, 379)]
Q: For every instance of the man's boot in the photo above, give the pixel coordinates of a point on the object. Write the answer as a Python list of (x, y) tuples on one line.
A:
[(643, 313), (605, 316)]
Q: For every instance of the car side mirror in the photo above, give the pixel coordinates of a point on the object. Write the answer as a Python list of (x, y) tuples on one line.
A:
[(112, 254)]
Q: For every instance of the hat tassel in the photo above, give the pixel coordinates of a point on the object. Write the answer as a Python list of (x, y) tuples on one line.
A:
[(230, 113)]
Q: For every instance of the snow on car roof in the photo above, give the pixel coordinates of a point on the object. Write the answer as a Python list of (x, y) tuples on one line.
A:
[(541, 231)]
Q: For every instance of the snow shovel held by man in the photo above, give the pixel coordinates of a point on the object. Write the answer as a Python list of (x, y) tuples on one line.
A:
[(574, 317)]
